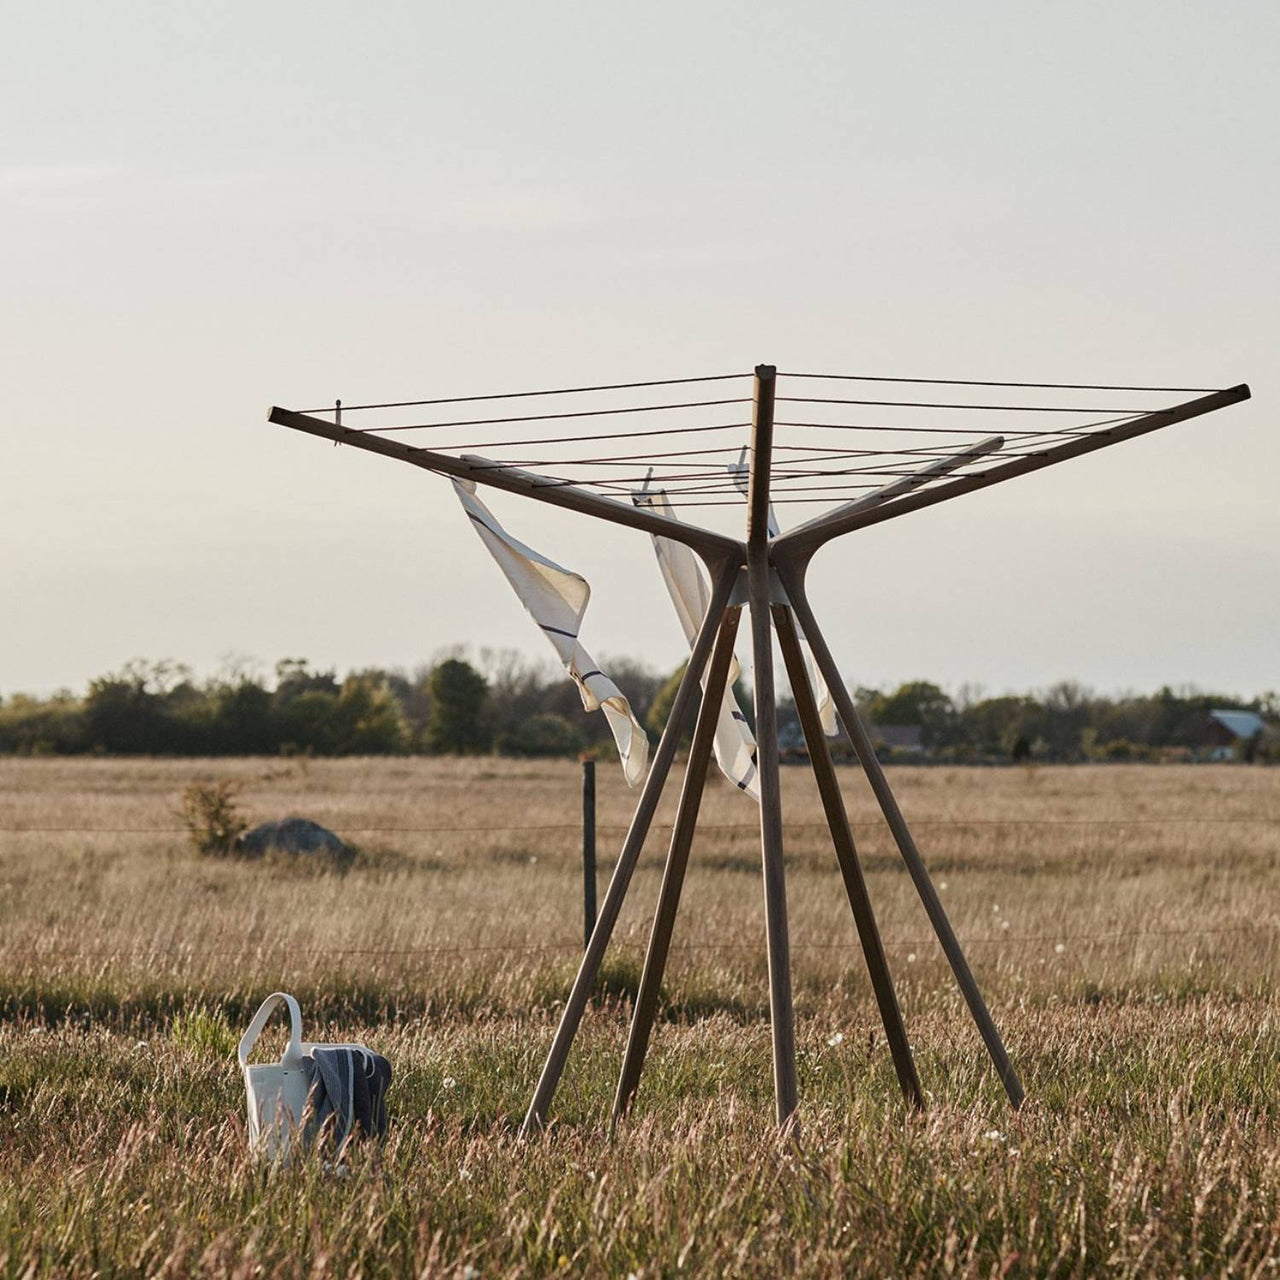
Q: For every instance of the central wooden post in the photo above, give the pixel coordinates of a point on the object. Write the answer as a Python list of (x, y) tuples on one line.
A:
[(775, 885)]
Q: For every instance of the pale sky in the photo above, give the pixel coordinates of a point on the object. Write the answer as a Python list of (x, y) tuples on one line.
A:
[(211, 209)]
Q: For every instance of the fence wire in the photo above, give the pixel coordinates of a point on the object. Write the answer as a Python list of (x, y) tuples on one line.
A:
[(702, 826), (258, 952)]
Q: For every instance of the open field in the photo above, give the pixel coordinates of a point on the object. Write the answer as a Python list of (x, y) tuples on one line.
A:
[(1123, 921)]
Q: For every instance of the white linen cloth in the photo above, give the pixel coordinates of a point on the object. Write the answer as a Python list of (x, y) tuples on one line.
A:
[(735, 746), (821, 694), (557, 599)]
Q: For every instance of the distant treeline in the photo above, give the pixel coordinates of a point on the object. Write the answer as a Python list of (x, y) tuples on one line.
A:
[(503, 703)]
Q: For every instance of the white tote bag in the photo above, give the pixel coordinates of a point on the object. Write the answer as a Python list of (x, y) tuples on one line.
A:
[(277, 1091)]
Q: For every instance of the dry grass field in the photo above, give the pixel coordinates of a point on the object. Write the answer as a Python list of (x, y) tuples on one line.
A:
[(1123, 921)]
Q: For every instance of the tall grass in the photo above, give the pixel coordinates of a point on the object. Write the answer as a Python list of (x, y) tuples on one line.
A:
[(1131, 967)]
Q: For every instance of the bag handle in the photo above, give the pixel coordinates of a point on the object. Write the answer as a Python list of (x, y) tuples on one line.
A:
[(292, 1055)]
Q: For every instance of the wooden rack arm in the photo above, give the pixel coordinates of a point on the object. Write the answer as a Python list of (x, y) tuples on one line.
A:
[(799, 544), (713, 547), (896, 488)]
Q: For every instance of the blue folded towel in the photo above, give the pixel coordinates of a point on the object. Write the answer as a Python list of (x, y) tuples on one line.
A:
[(350, 1085)]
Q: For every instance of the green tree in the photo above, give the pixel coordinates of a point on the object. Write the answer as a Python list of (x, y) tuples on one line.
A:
[(996, 726), (48, 726), (916, 702), (660, 707), (148, 708), (521, 688), (1065, 711), (309, 722), (295, 677), (458, 694), (545, 734), (370, 719), (305, 708), (243, 723)]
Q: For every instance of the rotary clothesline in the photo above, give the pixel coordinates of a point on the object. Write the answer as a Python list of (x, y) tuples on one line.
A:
[(766, 572)]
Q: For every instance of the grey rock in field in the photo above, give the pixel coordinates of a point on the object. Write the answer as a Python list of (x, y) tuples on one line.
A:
[(296, 836)]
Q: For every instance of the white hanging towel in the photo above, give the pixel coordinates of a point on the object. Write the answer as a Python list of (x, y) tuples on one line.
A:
[(821, 694), (557, 598), (735, 747)]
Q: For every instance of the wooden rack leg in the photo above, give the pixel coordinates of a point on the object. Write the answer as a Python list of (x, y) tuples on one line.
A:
[(781, 1013), (695, 777), (793, 581), (847, 856), (682, 706)]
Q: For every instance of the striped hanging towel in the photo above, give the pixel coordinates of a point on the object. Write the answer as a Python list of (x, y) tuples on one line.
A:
[(735, 747), (821, 694), (557, 598)]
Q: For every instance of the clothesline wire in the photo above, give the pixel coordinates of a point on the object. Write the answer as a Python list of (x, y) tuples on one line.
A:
[(548, 417), (819, 454), (622, 488), (906, 456), (892, 470), (714, 478), (990, 408), (967, 382), (699, 481), (1175, 820), (721, 484), (972, 432), (719, 473), (777, 502), (521, 395), (604, 435), (803, 488), (1083, 429), (656, 459), (659, 459)]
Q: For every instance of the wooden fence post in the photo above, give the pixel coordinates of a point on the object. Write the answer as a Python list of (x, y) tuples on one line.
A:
[(588, 850)]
